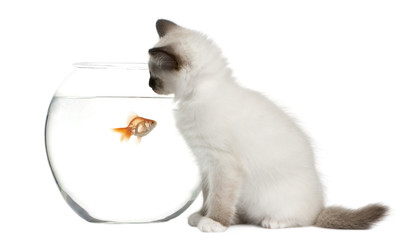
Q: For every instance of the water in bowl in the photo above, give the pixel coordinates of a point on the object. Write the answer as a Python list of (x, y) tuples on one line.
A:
[(104, 179)]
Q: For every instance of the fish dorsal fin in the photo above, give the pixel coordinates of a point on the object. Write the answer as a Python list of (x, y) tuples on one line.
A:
[(132, 115)]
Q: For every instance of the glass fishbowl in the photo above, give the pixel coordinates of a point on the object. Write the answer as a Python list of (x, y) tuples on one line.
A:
[(113, 147)]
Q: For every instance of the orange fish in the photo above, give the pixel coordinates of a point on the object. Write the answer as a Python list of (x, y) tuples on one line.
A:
[(138, 126)]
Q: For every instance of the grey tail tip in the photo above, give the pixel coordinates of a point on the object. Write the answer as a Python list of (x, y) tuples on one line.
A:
[(380, 211), (343, 218)]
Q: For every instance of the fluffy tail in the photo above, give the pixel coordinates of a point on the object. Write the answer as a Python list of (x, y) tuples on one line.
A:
[(126, 133), (342, 218)]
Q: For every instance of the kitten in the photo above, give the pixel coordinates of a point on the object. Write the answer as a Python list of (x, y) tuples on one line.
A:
[(257, 166)]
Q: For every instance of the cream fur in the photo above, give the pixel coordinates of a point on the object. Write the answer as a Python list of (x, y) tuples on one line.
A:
[(257, 165)]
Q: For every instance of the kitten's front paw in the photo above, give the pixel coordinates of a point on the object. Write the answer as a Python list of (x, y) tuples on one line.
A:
[(209, 225), (194, 219)]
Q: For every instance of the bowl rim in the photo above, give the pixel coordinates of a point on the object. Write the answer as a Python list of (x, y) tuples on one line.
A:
[(112, 65)]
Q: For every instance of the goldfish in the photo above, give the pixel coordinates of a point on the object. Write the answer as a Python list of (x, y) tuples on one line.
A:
[(137, 126)]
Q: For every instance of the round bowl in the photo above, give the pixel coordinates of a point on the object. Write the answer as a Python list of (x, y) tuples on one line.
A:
[(104, 175)]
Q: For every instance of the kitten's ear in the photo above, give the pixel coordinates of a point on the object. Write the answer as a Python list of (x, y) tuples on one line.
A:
[(164, 58), (163, 26)]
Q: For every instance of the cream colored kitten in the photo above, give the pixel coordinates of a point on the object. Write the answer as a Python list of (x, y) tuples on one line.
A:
[(257, 165)]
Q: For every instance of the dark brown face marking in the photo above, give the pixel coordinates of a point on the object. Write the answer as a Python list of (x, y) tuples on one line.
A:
[(163, 26), (155, 82), (163, 58)]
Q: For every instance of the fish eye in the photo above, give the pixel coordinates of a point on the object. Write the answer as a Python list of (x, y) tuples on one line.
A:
[(152, 122)]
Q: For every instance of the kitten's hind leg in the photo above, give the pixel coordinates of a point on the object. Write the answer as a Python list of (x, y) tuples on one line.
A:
[(269, 222)]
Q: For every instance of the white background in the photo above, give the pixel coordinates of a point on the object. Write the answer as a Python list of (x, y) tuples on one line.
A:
[(343, 68)]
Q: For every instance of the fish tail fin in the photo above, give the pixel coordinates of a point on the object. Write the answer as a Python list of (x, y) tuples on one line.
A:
[(126, 133)]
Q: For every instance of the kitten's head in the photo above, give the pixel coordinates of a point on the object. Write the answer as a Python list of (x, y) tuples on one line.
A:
[(177, 55)]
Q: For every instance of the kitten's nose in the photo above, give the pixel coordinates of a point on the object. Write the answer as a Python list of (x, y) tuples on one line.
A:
[(152, 83)]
